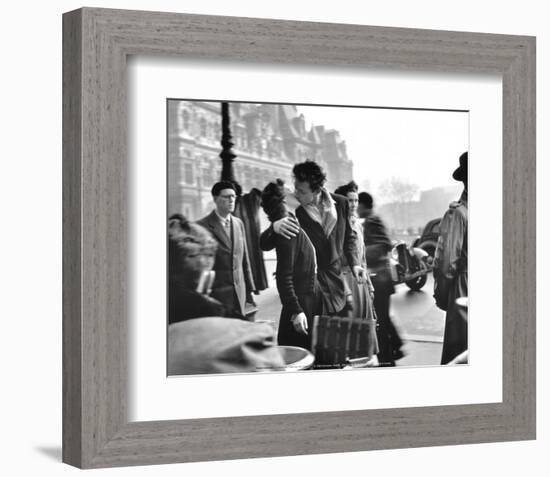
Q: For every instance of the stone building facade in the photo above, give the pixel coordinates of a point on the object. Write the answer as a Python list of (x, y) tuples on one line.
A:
[(268, 140)]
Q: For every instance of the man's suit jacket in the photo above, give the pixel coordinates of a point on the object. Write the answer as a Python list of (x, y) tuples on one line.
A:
[(233, 276), (341, 242)]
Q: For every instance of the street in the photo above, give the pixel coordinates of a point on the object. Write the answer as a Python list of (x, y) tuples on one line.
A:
[(419, 321), (415, 313)]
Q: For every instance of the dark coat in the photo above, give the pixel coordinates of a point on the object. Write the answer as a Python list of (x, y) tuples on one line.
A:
[(233, 277), (186, 304), (297, 286), (329, 252), (377, 243), (451, 272), (248, 210), (377, 246)]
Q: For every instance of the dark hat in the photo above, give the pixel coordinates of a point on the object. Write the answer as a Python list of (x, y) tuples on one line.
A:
[(461, 173)]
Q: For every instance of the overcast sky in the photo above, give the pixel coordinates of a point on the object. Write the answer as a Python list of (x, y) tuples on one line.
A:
[(421, 147)]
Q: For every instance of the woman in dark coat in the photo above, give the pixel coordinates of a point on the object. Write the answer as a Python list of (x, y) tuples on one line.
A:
[(295, 274)]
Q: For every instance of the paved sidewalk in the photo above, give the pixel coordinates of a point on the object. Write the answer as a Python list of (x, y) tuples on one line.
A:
[(421, 353)]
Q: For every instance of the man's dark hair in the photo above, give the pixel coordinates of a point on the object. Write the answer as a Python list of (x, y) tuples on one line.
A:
[(310, 172), (366, 199), (347, 188), (219, 186)]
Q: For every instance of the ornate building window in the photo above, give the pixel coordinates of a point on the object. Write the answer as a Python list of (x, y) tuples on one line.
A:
[(188, 173), (208, 175), (263, 147), (258, 178), (238, 138), (203, 127), (185, 120), (246, 178), (264, 125)]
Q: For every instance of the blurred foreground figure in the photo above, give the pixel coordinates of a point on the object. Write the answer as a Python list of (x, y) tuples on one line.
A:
[(451, 269), (191, 252), (218, 345)]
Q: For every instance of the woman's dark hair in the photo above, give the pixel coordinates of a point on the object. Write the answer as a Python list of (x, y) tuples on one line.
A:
[(366, 199), (310, 172), (273, 198), (347, 188)]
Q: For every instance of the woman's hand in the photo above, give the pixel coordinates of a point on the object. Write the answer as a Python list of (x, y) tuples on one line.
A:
[(300, 323)]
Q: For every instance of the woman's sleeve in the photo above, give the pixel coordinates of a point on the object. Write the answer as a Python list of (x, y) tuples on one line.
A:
[(284, 275), (267, 239)]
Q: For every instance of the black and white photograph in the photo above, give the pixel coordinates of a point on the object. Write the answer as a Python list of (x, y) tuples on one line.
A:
[(315, 237), (255, 258)]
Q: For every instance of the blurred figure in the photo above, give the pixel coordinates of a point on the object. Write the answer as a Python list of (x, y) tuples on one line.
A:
[(191, 252), (295, 274), (218, 345), (200, 339), (362, 294), (325, 219), (233, 284), (377, 247), (451, 270)]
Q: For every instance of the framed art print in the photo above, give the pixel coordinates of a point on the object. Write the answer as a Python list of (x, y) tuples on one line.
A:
[(420, 323), (402, 157)]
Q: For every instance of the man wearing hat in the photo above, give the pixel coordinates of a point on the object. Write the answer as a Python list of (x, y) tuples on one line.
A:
[(451, 269)]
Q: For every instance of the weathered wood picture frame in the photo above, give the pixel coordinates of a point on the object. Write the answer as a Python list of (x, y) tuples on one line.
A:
[(96, 45)]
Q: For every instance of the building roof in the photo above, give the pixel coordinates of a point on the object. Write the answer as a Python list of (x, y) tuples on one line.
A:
[(287, 113)]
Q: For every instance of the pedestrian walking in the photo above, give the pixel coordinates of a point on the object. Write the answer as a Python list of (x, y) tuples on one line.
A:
[(377, 247)]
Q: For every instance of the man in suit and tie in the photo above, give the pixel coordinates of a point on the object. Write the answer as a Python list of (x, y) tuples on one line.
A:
[(233, 284)]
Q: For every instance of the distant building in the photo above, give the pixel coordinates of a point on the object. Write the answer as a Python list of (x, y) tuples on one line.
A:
[(268, 140)]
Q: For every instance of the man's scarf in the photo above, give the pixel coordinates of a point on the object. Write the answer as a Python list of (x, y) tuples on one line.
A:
[(324, 213)]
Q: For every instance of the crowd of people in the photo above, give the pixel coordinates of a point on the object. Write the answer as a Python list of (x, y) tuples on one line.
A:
[(332, 259)]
